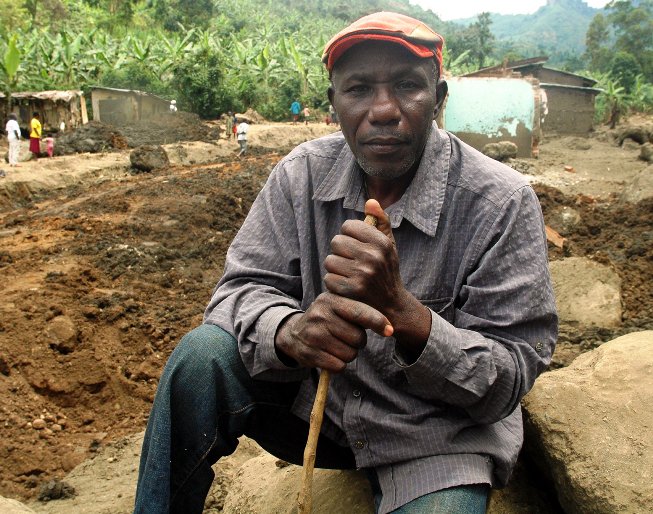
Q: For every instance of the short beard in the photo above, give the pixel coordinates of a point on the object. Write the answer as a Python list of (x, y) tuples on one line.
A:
[(384, 174)]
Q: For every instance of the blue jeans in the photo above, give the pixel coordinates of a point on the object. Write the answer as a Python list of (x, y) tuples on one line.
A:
[(205, 401)]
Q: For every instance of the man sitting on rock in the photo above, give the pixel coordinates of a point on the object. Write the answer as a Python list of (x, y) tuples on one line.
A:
[(434, 324)]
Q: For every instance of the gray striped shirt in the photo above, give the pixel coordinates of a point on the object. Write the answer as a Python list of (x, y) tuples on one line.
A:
[(472, 248)]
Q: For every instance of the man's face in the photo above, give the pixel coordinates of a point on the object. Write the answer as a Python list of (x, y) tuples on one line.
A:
[(385, 98)]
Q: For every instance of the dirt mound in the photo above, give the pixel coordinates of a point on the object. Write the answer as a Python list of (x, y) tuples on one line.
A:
[(251, 116), (165, 128), (169, 128), (94, 137), (99, 286)]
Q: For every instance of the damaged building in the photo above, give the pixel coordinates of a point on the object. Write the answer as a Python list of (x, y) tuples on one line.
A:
[(54, 107), (519, 102), (570, 96), (484, 110)]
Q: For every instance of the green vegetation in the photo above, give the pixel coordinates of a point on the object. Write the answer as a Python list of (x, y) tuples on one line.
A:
[(557, 30), (219, 55), (620, 57)]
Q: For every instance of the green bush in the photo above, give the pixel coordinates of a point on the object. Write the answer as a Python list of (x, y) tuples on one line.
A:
[(199, 85), (135, 75)]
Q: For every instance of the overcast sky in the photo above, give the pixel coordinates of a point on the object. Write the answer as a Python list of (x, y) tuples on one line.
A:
[(451, 10)]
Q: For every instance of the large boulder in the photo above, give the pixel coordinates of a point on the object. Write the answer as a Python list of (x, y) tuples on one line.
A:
[(9, 506), (646, 152), (640, 188), (148, 158), (587, 293), (589, 427), (334, 492)]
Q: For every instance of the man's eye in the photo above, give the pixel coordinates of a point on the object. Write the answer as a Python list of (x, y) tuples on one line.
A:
[(357, 89), (407, 84)]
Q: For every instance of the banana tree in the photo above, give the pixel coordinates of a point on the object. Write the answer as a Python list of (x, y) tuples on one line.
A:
[(302, 70), (10, 65)]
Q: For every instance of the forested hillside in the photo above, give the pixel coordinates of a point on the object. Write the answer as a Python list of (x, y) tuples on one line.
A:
[(219, 55), (556, 29)]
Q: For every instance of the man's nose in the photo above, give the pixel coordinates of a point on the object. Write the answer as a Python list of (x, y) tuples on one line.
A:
[(384, 108)]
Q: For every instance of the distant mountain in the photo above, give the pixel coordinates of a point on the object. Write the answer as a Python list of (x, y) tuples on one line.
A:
[(556, 29)]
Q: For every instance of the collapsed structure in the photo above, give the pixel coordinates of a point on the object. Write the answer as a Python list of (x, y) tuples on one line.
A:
[(518, 102), (54, 107)]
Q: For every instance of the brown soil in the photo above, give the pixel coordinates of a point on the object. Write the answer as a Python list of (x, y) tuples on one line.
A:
[(101, 278), (163, 129)]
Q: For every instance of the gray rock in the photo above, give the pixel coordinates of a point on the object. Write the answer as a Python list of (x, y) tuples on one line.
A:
[(586, 292), (577, 143), (640, 188), (501, 151), (62, 334), (148, 158), (646, 152), (564, 220), (589, 427)]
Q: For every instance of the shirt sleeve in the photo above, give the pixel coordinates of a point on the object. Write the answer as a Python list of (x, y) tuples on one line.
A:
[(261, 285), (504, 321)]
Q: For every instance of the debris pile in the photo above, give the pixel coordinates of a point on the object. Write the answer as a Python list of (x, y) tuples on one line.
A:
[(166, 128), (94, 137)]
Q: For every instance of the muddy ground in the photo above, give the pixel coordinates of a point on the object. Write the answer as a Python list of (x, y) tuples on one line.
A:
[(100, 278)]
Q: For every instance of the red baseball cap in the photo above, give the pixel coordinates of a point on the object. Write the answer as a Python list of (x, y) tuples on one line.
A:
[(386, 26)]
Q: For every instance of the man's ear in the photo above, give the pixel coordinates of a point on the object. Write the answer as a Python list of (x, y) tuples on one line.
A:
[(441, 90), (330, 93)]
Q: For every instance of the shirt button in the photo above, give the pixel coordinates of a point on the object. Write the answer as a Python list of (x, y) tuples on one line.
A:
[(356, 393), (539, 346), (359, 445)]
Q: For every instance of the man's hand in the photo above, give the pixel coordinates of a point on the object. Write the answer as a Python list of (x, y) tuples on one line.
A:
[(330, 333), (364, 266)]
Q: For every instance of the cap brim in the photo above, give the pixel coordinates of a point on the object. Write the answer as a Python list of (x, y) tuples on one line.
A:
[(339, 47)]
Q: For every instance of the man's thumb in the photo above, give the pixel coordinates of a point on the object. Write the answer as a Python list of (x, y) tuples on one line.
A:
[(373, 208)]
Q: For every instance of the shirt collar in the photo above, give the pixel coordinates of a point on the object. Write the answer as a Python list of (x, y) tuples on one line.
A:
[(422, 202)]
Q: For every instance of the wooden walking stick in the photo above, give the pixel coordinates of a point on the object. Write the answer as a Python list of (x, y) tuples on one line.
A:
[(305, 500)]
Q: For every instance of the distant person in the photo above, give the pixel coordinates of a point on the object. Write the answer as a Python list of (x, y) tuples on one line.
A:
[(173, 106), (35, 135), (49, 145), (234, 125), (241, 132), (295, 109), (229, 125), (62, 127), (307, 115), (13, 136)]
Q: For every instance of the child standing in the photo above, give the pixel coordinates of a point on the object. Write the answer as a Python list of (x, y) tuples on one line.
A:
[(49, 145)]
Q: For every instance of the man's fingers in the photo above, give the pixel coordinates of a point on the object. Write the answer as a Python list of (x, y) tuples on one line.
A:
[(363, 315), (364, 233)]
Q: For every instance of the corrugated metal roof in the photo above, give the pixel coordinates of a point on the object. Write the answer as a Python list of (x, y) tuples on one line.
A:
[(549, 85), (55, 96)]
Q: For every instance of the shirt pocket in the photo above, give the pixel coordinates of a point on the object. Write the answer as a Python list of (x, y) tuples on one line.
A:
[(443, 307)]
